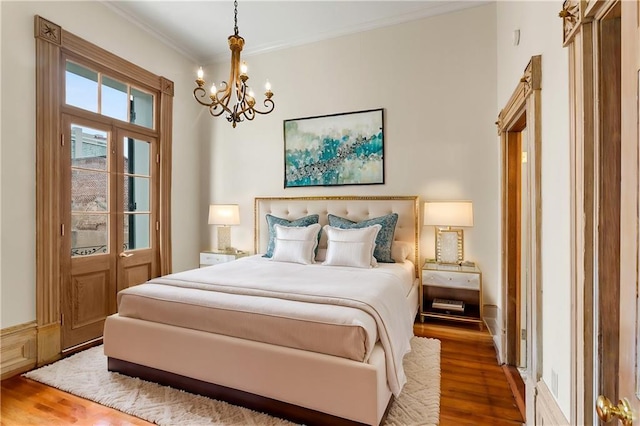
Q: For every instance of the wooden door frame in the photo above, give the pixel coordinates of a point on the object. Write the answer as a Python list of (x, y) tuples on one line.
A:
[(581, 24), (52, 41), (524, 104), (630, 200), (513, 240)]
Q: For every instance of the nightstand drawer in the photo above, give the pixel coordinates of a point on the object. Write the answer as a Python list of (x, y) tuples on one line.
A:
[(207, 259), (462, 280)]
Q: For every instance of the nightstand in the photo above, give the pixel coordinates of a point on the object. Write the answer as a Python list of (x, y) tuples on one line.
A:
[(208, 258), (451, 292)]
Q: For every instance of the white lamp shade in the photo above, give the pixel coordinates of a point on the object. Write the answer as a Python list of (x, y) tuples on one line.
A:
[(448, 213), (224, 214)]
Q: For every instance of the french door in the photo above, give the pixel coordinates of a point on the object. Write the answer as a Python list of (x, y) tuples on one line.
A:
[(620, 401), (109, 211), (628, 395)]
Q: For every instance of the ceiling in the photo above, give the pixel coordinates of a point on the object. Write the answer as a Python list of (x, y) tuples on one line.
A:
[(199, 29)]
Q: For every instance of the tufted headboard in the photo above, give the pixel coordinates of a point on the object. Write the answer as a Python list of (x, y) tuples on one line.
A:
[(350, 207)]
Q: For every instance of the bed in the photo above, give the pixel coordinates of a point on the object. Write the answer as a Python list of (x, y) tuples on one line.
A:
[(271, 335)]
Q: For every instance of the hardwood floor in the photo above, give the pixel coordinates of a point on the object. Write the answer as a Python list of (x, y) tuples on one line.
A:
[(474, 390), (473, 387), (25, 402)]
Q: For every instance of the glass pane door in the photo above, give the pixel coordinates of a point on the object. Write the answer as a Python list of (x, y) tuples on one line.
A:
[(137, 204), (137, 194), (90, 191), (88, 235)]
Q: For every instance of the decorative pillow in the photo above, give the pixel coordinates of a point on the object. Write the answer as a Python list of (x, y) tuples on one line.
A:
[(273, 220), (351, 247), (400, 250), (384, 240), (296, 244)]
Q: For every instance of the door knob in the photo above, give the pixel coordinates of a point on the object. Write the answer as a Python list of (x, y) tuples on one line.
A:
[(607, 411), (123, 254)]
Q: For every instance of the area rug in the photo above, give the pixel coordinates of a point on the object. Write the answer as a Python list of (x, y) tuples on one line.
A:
[(85, 374)]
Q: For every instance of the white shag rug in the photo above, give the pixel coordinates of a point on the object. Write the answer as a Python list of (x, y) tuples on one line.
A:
[(85, 374)]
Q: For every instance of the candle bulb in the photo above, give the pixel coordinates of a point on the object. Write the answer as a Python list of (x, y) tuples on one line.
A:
[(243, 68), (213, 89), (200, 73), (267, 86)]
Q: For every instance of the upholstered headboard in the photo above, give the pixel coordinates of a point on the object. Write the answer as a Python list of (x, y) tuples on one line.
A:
[(350, 207)]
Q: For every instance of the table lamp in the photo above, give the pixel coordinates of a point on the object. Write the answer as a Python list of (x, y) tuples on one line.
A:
[(224, 215), (445, 215)]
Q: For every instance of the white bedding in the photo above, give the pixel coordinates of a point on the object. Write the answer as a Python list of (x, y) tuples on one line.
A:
[(380, 292)]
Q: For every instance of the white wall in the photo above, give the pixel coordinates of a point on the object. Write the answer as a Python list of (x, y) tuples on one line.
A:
[(435, 79), (541, 34), (97, 24)]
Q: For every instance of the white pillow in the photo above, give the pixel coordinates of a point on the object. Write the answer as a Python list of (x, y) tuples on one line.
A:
[(351, 247), (400, 250), (296, 244)]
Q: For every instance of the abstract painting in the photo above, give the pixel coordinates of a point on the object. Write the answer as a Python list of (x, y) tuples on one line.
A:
[(337, 149)]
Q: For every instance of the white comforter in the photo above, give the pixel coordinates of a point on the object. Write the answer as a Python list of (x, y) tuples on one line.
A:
[(378, 291)]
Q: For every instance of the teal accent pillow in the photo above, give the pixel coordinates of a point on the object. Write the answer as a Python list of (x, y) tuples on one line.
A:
[(273, 220), (382, 252)]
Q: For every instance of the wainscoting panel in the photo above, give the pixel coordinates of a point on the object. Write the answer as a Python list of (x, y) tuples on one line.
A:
[(548, 413), (18, 349)]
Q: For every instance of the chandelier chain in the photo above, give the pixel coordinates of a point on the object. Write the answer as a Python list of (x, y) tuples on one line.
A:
[(235, 17)]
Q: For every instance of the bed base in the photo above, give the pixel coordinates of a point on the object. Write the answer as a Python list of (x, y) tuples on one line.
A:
[(267, 375), (252, 401)]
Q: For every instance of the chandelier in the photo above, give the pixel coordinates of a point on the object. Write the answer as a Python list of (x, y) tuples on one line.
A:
[(235, 97)]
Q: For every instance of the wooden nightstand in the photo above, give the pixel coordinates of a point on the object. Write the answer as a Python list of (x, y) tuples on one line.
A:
[(444, 284), (208, 258)]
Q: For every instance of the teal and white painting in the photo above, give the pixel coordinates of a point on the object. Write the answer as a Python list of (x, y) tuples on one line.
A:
[(338, 149)]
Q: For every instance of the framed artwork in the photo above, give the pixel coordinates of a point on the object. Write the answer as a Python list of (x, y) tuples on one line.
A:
[(337, 149), (449, 248)]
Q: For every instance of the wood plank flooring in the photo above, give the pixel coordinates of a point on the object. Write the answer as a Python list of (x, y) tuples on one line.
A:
[(474, 390), (473, 387)]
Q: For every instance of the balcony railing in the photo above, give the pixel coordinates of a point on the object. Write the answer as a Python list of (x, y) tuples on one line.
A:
[(89, 250)]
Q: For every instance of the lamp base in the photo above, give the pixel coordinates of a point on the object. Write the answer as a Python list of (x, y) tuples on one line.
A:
[(224, 238)]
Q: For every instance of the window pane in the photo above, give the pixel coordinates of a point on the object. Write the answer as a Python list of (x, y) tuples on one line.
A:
[(136, 194), (89, 191), (137, 157), (141, 108), (81, 87), (89, 234), (89, 148), (136, 231), (114, 99)]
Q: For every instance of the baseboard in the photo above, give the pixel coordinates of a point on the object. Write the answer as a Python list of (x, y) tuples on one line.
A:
[(548, 411), (18, 349), (491, 314), (49, 348)]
